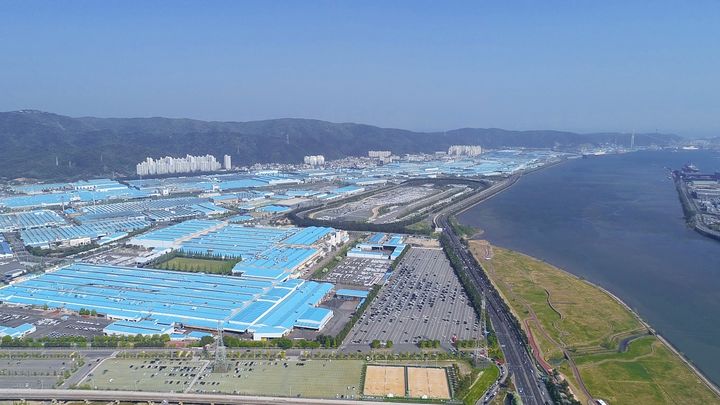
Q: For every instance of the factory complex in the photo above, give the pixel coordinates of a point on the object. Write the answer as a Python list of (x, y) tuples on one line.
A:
[(360, 173), (379, 246), (170, 299), (265, 253), (188, 256)]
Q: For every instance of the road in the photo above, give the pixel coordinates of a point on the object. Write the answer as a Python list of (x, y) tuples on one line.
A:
[(158, 397), (519, 361)]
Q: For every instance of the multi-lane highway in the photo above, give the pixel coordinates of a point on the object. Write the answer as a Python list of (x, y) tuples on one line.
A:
[(519, 361), (159, 397)]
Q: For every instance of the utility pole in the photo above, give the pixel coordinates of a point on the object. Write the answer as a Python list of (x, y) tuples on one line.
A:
[(220, 364)]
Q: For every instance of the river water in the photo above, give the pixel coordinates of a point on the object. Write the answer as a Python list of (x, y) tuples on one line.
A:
[(616, 221)]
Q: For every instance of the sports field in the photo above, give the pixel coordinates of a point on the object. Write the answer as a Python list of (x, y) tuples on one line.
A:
[(191, 264), (565, 315), (402, 381), (383, 381), (310, 378), (428, 383)]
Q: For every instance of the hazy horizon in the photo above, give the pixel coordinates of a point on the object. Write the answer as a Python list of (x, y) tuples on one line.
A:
[(610, 67)]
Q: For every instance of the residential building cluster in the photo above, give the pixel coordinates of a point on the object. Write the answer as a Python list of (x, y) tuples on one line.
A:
[(314, 160), (379, 154), (465, 150), (187, 164)]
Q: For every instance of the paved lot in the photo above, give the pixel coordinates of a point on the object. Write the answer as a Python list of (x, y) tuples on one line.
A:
[(359, 272), (9, 266), (18, 370), (342, 311), (161, 375), (52, 323), (118, 256), (423, 299), (363, 209), (291, 378)]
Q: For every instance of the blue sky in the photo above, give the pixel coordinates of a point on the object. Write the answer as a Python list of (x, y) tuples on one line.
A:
[(576, 65)]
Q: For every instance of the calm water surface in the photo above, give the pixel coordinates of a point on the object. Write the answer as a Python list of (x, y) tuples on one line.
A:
[(616, 220)]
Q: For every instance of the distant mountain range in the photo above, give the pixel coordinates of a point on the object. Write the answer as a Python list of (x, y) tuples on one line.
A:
[(31, 141)]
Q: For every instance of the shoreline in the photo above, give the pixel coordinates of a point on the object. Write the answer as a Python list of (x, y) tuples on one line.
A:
[(688, 362), (709, 383), (691, 212)]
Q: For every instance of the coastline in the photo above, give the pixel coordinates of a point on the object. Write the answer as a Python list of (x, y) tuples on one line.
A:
[(706, 381), (711, 385), (506, 184), (691, 212)]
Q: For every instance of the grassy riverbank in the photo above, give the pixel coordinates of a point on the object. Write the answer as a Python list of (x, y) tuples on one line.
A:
[(580, 330)]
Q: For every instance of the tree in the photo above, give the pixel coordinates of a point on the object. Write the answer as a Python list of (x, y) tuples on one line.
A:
[(284, 343), (375, 344), (206, 340), (389, 344)]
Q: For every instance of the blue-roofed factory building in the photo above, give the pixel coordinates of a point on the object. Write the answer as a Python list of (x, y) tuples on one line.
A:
[(134, 328), (265, 253), (5, 248), (151, 301), (379, 246), (29, 220), (17, 331)]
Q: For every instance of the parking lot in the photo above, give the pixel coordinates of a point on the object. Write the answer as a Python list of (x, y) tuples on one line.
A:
[(359, 271), (119, 256), (422, 300), (290, 378), (52, 323), (32, 370), (161, 375), (368, 208)]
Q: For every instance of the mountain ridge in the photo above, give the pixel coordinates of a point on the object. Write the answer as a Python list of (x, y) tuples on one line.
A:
[(91, 146)]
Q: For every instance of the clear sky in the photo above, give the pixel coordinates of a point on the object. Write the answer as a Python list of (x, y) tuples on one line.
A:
[(575, 65)]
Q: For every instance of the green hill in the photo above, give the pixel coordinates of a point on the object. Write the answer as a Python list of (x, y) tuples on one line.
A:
[(32, 140)]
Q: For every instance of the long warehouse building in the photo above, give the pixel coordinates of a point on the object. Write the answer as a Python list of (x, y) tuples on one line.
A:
[(265, 309)]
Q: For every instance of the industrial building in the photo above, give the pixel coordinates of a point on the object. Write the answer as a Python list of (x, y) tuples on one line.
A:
[(17, 331), (100, 232), (134, 328), (27, 220), (77, 195), (379, 246), (5, 249), (266, 253), (156, 299)]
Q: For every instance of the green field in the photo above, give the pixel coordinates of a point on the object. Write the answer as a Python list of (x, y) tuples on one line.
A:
[(483, 382), (565, 314), (311, 378), (190, 264), (164, 375)]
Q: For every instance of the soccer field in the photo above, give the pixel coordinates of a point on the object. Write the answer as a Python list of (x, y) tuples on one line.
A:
[(190, 264)]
